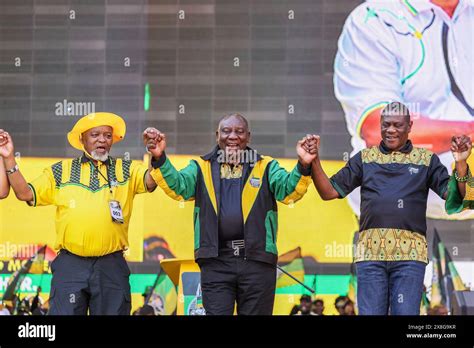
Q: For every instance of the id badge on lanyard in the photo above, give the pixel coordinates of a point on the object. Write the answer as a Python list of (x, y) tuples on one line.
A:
[(115, 208), (116, 211), (114, 205)]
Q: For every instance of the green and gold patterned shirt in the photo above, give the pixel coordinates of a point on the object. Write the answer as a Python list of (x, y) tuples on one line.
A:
[(394, 191)]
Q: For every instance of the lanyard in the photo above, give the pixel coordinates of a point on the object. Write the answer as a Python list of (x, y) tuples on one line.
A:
[(102, 175)]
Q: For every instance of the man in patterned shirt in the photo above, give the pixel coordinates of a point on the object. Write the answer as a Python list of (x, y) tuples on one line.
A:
[(395, 178)]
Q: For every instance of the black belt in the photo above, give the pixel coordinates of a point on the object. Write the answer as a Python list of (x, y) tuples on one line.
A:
[(87, 257), (235, 245)]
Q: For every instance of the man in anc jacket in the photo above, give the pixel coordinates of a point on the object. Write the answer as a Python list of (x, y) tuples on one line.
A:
[(235, 216)]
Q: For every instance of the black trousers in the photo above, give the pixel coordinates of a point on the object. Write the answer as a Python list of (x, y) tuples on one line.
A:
[(99, 285), (229, 280)]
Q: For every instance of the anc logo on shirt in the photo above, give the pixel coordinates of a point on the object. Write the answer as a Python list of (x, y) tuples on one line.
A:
[(254, 182)]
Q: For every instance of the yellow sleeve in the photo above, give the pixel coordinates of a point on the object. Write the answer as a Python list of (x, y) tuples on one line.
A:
[(138, 177), (43, 188)]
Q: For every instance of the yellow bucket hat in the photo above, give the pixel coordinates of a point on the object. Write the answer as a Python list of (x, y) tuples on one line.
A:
[(93, 120)]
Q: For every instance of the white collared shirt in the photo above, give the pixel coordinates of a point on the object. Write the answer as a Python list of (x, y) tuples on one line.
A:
[(392, 50)]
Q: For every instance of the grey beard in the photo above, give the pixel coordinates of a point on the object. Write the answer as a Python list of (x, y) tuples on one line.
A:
[(100, 158)]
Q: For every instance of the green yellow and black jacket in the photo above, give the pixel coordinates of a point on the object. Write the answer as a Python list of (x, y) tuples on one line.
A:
[(265, 182)]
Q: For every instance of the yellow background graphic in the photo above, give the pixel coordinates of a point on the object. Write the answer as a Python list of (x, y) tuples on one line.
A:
[(323, 230)]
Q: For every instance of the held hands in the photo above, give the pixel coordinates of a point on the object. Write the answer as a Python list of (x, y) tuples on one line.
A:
[(155, 141), (6, 144), (461, 147), (307, 149)]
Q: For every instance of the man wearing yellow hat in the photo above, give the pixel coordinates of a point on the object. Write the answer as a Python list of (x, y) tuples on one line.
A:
[(93, 195)]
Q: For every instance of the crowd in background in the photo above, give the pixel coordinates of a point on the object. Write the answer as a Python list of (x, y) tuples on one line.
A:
[(35, 305), (29, 305), (307, 306), (344, 306)]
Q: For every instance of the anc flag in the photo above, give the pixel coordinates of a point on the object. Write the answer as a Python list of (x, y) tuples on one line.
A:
[(453, 275), (163, 297), (39, 262), (446, 278), (438, 291), (352, 292), (291, 262), (425, 303)]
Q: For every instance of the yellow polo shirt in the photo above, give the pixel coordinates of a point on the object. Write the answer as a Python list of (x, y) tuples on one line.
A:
[(81, 195)]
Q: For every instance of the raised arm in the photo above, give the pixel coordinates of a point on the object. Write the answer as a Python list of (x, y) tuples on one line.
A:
[(4, 184), (340, 184), (320, 179), (149, 139), (16, 179), (461, 147), (289, 187), (179, 185)]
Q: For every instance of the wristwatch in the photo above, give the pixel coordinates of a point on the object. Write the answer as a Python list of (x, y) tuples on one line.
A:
[(13, 170)]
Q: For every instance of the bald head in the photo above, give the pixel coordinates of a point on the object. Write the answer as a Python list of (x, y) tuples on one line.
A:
[(238, 116), (396, 109)]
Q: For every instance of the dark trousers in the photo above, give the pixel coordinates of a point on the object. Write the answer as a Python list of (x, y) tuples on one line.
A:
[(96, 284), (227, 280)]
